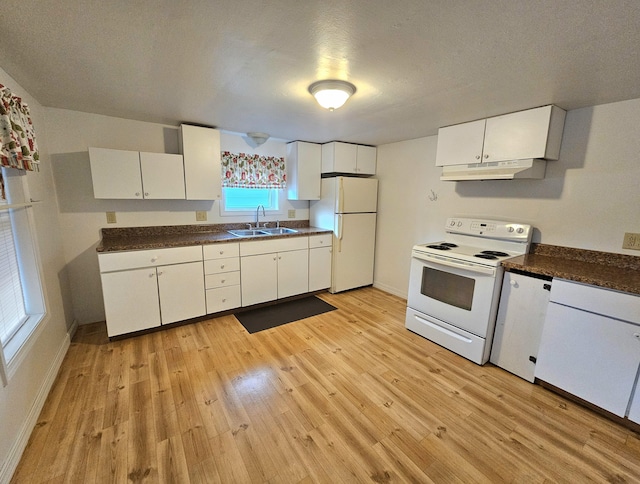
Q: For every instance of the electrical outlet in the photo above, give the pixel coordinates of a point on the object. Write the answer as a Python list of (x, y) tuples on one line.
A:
[(111, 217), (292, 213), (631, 241), (201, 216)]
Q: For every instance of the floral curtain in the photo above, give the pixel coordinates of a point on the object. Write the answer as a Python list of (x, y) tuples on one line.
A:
[(241, 170), (17, 137)]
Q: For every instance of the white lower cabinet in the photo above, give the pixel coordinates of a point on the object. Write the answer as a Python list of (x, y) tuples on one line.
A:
[(521, 314), (222, 276), (144, 289), (273, 269), (590, 345), (320, 261), (181, 292), (634, 409), (125, 313)]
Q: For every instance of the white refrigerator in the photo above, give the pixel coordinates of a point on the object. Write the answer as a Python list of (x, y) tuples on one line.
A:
[(348, 206)]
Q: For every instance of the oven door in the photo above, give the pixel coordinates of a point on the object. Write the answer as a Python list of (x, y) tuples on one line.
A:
[(462, 294)]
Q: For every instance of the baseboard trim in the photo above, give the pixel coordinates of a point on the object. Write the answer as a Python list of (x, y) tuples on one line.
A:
[(15, 453), (389, 289)]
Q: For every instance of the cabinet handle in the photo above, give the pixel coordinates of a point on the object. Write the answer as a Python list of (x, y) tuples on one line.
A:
[(513, 283), (486, 156), (221, 252), (274, 258), (222, 281), (477, 157), (636, 335), (224, 300), (221, 266), (153, 259), (137, 194), (159, 273), (152, 274), (146, 194)]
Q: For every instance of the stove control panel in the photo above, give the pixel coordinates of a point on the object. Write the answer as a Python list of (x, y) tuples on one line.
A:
[(498, 229)]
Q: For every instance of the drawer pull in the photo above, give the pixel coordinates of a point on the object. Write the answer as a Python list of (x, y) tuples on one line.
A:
[(224, 300), (222, 281), (636, 335), (221, 266), (221, 252)]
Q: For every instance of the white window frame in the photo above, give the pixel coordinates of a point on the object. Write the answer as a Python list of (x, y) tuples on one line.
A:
[(279, 199), (14, 351)]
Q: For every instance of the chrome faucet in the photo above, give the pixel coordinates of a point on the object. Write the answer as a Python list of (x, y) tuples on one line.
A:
[(258, 214)]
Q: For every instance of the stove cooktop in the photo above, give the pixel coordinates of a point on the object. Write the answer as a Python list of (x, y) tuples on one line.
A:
[(479, 255)]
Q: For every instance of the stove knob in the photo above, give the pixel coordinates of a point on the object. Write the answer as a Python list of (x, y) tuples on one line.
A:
[(452, 223), (510, 229), (459, 223), (520, 230)]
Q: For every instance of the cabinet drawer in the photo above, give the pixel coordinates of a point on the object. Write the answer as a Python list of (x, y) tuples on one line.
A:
[(221, 280), (322, 240), (597, 300), (118, 261), (217, 266), (222, 299), (274, 245), (221, 251)]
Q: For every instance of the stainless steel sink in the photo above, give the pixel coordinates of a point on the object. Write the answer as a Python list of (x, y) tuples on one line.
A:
[(261, 232), (278, 231), (246, 232)]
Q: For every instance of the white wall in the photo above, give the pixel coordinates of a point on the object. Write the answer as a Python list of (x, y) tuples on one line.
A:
[(588, 199), (22, 398), (71, 133)]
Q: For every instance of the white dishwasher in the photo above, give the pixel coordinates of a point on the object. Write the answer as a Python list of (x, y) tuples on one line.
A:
[(590, 345), (521, 314)]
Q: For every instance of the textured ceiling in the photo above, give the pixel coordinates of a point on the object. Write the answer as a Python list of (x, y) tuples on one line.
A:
[(245, 65)]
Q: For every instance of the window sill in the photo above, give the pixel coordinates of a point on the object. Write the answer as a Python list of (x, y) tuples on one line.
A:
[(19, 346)]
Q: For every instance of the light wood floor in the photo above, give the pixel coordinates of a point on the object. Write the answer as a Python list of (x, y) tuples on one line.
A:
[(347, 396)]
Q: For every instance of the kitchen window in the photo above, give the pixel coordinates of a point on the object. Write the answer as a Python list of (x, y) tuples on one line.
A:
[(244, 201), (21, 297)]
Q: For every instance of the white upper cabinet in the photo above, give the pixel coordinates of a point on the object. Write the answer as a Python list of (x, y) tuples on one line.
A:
[(534, 133), (162, 176), (201, 151), (303, 170), (134, 175), (115, 173), (348, 158), (460, 144)]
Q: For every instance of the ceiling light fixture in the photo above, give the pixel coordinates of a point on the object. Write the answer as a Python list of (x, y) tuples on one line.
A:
[(257, 139), (331, 94)]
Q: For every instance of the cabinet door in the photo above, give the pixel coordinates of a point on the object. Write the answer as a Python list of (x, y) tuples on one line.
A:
[(518, 135), (319, 268), (130, 300), (591, 356), (115, 173), (366, 160), (523, 307), (339, 158), (181, 289), (162, 176), (201, 152), (293, 273), (303, 170), (259, 276), (460, 144)]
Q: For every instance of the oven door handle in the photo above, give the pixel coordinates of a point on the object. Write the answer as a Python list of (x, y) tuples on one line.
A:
[(459, 265)]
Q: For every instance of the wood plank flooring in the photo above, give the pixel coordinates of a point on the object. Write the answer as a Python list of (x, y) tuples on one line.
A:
[(347, 396)]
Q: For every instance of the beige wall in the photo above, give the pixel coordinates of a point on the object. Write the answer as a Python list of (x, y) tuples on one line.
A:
[(22, 397), (588, 199)]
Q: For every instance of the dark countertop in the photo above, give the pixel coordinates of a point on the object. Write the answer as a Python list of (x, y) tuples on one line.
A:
[(613, 271), (138, 238)]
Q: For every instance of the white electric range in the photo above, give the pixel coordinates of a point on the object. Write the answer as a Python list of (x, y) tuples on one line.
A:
[(454, 285)]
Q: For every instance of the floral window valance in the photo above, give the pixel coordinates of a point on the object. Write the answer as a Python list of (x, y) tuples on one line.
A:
[(19, 149), (241, 170)]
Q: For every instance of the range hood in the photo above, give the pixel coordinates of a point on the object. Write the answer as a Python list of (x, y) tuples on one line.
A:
[(496, 170)]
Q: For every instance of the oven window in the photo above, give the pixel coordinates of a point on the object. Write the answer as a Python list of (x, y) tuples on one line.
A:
[(447, 287)]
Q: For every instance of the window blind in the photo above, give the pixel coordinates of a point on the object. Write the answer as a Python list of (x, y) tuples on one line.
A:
[(12, 308)]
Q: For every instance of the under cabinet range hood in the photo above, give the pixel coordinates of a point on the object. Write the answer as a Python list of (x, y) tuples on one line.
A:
[(497, 170)]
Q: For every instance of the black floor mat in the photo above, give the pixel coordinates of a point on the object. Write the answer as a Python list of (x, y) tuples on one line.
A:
[(267, 317)]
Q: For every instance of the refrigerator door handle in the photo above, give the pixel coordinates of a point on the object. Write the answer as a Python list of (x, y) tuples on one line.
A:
[(340, 196), (339, 236)]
